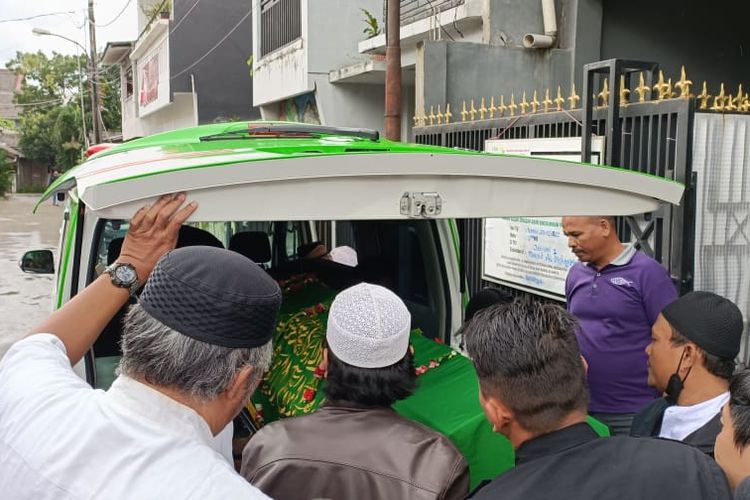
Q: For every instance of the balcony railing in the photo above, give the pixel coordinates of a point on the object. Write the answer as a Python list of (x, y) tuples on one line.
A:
[(281, 24), (414, 10)]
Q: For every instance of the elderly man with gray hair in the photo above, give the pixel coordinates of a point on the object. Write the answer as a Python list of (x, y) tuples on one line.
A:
[(194, 349)]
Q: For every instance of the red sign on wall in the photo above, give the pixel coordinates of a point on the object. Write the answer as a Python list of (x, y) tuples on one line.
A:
[(149, 81)]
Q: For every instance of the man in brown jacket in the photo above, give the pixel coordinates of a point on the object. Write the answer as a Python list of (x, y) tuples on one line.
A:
[(355, 445)]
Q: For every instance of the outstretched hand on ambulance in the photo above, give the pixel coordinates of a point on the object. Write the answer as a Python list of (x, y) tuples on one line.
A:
[(153, 232)]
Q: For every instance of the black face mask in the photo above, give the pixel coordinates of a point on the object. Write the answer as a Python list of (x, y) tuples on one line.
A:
[(675, 383)]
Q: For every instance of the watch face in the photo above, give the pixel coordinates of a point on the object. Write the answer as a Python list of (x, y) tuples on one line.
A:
[(125, 274)]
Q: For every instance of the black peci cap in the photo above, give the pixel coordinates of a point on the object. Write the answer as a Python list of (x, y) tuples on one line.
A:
[(708, 320), (213, 295)]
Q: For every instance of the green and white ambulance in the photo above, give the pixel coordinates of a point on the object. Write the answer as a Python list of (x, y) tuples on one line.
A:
[(283, 185)]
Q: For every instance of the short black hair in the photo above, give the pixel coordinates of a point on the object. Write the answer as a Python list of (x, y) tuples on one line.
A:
[(715, 365), (485, 298), (373, 387), (526, 354), (739, 407)]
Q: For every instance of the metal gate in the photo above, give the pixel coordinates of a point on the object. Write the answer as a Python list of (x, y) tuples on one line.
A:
[(650, 134)]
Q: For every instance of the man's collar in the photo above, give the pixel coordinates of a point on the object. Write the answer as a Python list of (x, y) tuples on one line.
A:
[(158, 407), (624, 258), (555, 442)]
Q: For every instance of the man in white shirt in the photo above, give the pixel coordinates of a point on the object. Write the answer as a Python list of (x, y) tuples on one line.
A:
[(691, 359), (194, 349)]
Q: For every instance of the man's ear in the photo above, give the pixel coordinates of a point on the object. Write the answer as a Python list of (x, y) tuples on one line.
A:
[(585, 365), (499, 415), (324, 364), (690, 355), (238, 386), (605, 226)]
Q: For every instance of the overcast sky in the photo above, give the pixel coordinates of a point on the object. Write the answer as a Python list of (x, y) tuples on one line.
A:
[(17, 36)]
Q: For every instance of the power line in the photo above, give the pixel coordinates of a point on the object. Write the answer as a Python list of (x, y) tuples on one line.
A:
[(116, 17), (184, 16), (38, 103), (29, 18), (61, 99), (214, 47)]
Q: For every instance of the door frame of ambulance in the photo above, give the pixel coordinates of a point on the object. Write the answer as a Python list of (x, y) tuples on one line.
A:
[(387, 186)]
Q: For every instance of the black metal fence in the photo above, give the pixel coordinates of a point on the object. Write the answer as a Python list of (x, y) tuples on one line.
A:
[(655, 137), (280, 24)]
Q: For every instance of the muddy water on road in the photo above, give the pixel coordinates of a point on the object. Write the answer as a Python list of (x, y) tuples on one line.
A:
[(25, 299)]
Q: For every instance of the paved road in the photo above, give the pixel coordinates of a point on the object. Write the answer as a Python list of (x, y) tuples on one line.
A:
[(25, 299)]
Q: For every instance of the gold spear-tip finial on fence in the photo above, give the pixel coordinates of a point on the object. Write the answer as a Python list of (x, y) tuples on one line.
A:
[(439, 115), (669, 92), (745, 104), (574, 98), (482, 110), (464, 113), (604, 94), (739, 98), (431, 116), (419, 119), (547, 102), (535, 103), (448, 114), (512, 106), (502, 108), (624, 91), (524, 104), (642, 88), (660, 87), (492, 109), (704, 97), (472, 111), (416, 120), (559, 100), (719, 100), (684, 84), (729, 104)]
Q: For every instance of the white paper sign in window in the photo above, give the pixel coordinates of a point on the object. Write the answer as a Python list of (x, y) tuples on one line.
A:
[(528, 253)]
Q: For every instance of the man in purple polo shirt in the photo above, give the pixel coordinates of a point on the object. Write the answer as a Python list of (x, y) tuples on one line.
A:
[(616, 292)]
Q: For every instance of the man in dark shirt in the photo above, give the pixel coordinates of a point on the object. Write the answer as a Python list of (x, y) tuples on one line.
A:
[(733, 442), (533, 390), (691, 359)]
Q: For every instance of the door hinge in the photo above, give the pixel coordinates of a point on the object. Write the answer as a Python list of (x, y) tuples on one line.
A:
[(421, 204)]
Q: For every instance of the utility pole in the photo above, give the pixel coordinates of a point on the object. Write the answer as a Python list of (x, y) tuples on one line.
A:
[(93, 61), (392, 71)]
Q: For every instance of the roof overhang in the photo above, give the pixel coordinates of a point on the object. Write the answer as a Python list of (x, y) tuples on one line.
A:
[(369, 73), (116, 52)]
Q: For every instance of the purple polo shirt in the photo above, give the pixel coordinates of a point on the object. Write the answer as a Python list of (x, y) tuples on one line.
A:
[(616, 308)]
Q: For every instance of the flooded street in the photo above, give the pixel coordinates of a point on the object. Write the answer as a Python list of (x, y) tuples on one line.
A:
[(25, 299)]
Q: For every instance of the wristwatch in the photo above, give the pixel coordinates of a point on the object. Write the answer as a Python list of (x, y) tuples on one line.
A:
[(124, 275)]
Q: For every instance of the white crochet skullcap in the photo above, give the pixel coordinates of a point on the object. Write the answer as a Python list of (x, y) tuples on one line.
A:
[(368, 326), (344, 255)]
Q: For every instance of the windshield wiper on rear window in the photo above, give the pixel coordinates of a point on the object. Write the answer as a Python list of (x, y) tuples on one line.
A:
[(291, 131)]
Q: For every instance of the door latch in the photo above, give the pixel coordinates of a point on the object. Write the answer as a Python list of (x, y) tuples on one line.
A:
[(421, 204)]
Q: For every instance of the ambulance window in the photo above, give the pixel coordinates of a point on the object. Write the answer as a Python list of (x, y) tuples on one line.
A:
[(345, 234), (110, 243), (294, 237)]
